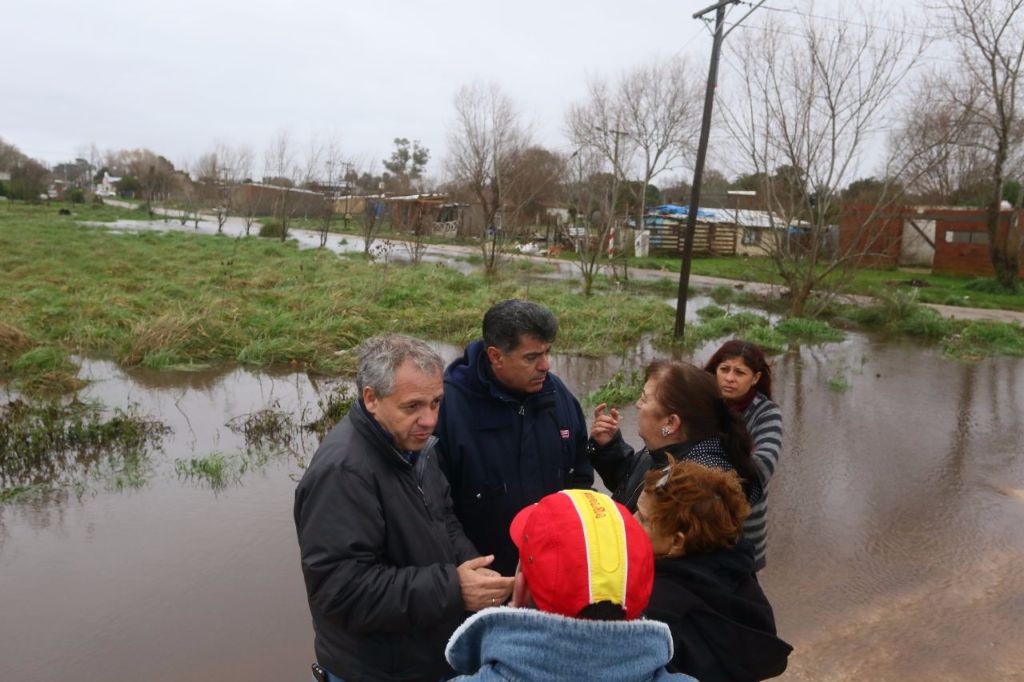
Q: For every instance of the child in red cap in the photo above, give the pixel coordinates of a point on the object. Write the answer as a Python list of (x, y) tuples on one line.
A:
[(585, 573)]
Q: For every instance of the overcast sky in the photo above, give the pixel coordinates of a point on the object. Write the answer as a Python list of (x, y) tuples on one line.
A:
[(178, 77)]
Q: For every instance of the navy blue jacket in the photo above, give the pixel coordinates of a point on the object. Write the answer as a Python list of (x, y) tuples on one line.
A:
[(502, 452)]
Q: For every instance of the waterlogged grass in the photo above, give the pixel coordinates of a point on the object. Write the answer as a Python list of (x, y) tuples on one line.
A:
[(622, 388), (838, 383), (217, 469), (268, 428), (981, 338), (808, 331), (48, 445), (961, 339), (179, 300), (333, 407)]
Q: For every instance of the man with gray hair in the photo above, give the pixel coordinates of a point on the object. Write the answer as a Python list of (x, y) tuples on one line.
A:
[(510, 431), (389, 572)]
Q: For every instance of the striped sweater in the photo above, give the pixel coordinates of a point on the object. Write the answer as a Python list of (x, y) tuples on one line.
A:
[(764, 422)]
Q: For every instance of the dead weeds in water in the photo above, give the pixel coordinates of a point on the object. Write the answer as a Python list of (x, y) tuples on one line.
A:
[(333, 407), (268, 428), (52, 444)]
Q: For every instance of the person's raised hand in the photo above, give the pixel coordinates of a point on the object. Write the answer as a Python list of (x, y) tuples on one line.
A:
[(482, 586), (606, 423)]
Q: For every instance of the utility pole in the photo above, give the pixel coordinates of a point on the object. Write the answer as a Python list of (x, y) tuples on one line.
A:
[(698, 171)]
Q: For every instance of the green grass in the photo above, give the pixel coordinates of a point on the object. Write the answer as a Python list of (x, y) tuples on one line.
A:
[(217, 469), (181, 300), (809, 331), (623, 388), (942, 288), (178, 299), (962, 339), (838, 383)]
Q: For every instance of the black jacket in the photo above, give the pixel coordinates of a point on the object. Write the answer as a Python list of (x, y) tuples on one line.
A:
[(502, 452), (723, 629), (379, 547), (623, 469)]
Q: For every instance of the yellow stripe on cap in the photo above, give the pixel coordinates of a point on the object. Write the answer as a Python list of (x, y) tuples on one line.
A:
[(605, 535)]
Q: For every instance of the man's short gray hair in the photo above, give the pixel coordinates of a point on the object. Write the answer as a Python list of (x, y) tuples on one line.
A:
[(380, 356)]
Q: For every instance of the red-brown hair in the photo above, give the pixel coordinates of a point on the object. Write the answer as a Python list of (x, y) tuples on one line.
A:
[(707, 505)]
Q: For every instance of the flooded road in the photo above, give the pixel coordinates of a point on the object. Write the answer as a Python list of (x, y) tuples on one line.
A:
[(896, 529)]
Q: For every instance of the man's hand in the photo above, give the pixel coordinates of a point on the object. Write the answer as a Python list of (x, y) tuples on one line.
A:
[(605, 425), (481, 586)]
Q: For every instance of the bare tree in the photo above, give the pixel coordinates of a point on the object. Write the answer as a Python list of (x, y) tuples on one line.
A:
[(592, 200), (643, 124), (154, 173), (485, 139), (218, 172), (809, 100), (660, 114), (331, 176), (937, 139), (287, 173), (990, 37)]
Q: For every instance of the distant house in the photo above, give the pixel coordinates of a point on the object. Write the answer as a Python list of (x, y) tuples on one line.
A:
[(718, 231), (946, 239), (107, 186)]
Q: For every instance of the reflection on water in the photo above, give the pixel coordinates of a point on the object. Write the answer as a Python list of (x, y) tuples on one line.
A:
[(897, 523)]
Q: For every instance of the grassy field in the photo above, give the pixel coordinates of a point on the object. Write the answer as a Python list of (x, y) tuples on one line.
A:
[(960, 290), (180, 300)]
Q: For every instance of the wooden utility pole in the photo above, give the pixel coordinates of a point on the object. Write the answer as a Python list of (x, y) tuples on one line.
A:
[(698, 171)]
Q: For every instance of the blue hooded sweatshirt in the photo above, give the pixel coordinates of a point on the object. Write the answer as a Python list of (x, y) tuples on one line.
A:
[(503, 643)]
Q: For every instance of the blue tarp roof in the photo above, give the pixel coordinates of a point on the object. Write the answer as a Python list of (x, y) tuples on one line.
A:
[(675, 209)]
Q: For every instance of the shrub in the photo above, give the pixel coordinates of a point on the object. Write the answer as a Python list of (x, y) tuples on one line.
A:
[(926, 323), (712, 311), (271, 228), (77, 195), (808, 330)]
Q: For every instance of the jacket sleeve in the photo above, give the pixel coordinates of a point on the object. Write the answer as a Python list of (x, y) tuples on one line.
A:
[(341, 533), (583, 471), (766, 431), (613, 461)]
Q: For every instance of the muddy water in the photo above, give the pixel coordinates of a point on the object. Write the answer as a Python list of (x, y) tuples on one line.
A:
[(897, 524)]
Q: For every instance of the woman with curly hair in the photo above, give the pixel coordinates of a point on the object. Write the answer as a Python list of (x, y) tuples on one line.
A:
[(705, 587), (745, 380)]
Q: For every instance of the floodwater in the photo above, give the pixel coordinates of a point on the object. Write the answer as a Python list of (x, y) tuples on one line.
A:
[(896, 529)]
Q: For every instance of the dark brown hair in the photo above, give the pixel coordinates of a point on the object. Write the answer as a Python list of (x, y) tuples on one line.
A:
[(752, 356), (692, 394), (707, 505)]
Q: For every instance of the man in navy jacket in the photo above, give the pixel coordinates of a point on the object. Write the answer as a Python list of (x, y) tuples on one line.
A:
[(509, 430)]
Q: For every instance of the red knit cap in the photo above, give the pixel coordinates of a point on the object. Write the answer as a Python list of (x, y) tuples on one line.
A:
[(578, 547)]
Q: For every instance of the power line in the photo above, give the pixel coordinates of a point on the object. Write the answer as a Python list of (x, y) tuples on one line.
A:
[(794, 34), (848, 22)]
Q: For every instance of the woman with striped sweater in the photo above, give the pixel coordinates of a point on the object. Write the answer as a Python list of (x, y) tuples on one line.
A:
[(745, 380)]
